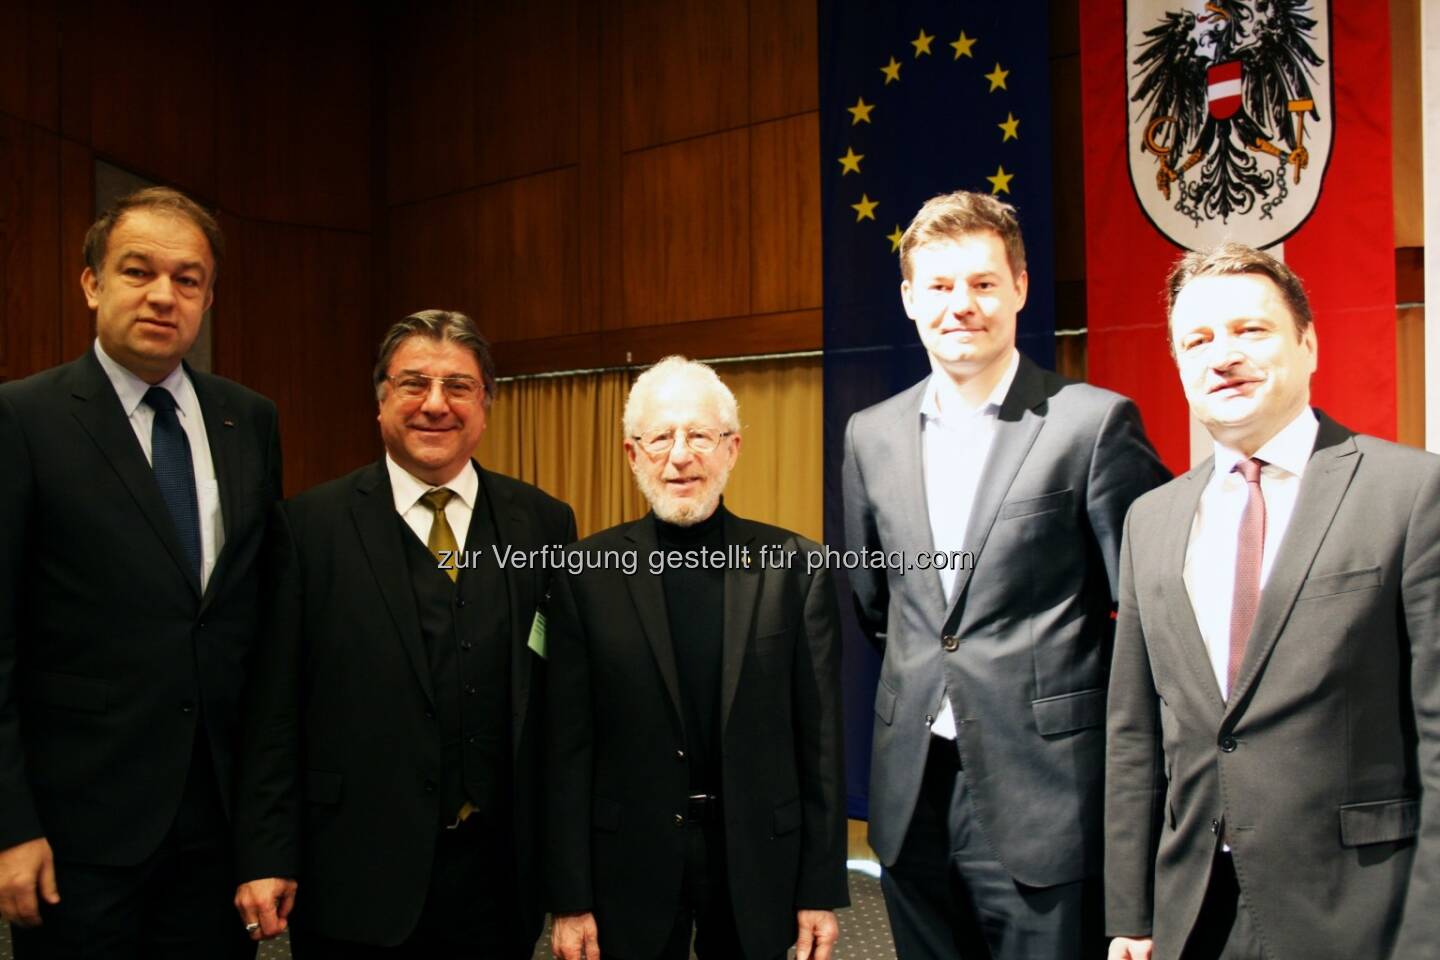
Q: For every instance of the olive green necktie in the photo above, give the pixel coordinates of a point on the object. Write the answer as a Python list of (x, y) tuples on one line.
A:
[(442, 538)]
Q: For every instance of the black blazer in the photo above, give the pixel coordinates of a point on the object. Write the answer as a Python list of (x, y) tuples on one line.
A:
[(342, 750), (617, 771), (108, 652), (1322, 769)]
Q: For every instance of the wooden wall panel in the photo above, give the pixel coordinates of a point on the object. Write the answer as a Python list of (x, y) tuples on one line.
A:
[(527, 93), (29, 249), (30, 62), (785, 268), (686, 231), (295, 114), (153, 104), (784, 58), (432, 252), (295, 326), (432, 121), (1410, 376), (686, 69), (77, 212), (527, 263), (1406, 125)]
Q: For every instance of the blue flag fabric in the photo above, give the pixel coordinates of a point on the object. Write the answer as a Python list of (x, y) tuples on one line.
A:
[(917, 98)]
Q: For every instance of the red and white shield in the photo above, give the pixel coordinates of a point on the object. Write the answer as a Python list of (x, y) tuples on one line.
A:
[(1223, 89)]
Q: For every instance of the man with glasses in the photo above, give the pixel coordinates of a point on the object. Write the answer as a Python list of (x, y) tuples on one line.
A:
[(694, 734), (388, 781)]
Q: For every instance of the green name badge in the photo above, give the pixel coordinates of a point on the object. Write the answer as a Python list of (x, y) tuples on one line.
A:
[(537, 634)]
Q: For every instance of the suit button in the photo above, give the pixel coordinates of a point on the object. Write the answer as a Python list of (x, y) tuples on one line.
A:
[(679, 754), (1215, 827), (429, 786), (429, 714), (470, 740), (929, 719), (460, 602), (679, 819), (466, 645), (470, 689), (187, 708), (201, 624), (1228, 745), (950, 642)]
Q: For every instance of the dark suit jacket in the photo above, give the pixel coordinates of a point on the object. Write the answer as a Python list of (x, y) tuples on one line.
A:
[(618, 780), (342, 750), (1031, 620), (1311, 770), (109, 654)]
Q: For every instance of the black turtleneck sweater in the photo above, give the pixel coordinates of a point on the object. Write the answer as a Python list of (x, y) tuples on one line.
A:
[(695, 607)]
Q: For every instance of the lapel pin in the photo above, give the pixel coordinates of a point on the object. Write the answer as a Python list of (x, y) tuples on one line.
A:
[(227, 422)]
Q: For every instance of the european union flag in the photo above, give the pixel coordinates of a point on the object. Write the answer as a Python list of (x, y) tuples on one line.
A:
[(916, 99)]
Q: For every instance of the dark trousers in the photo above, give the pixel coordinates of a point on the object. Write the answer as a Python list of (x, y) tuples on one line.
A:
[(950, 898), (177, 904), (705, 909), (470, 910), (1224, 930)]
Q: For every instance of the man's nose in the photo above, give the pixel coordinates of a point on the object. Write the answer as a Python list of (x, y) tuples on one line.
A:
[(435, 401), (680, 453), (161, 291)]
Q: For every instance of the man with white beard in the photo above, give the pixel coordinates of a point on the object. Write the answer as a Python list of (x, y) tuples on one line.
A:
[(694, 735)]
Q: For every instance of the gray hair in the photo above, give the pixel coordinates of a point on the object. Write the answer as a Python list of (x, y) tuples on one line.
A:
[(675, 368), (444, 326)]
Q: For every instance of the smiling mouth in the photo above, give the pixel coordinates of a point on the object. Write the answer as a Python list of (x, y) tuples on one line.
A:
[(1235, 385)]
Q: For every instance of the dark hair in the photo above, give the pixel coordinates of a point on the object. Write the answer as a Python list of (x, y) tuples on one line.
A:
[(164, 199), (1232, 259), (442, 325), (953, 215)]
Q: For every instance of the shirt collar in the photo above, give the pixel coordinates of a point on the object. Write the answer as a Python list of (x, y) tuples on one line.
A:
[(408, 489), (131, 389), (1289, 449), (942, 394)]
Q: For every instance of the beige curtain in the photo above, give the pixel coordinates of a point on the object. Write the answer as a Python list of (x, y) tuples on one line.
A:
[(563, 435)]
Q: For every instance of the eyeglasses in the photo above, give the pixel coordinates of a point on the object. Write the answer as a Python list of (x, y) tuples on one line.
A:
[(698, 440), (413, 386)]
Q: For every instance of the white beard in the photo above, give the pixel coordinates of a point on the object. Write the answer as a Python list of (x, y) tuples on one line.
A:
[(686, 511)]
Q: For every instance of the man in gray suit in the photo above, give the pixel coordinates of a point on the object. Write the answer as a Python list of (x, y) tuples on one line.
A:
[(1273, 773), (985, 790)]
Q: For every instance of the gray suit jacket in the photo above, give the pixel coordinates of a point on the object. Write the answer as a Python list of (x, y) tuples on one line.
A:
[(1032, 618), (1311, 771)]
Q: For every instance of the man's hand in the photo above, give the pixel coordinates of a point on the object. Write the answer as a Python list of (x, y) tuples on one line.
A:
[(815, 934), (573, 936), (24, 868), (1131, 948), (267, 902)]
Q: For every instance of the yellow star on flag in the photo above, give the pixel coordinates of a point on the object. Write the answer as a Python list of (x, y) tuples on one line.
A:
[(963, 45), (861, 111), (1011, 126), (894, 237), (865, 209), (921, 43), (850, 163), (891, 71), (1000, 183), (997, 78)]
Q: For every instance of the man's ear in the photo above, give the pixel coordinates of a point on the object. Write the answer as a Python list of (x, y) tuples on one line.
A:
[(90, 284)]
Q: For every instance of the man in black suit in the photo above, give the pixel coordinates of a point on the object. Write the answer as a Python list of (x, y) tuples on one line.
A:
[(388, 781), (694, 733), (132, 506), (985, 786)]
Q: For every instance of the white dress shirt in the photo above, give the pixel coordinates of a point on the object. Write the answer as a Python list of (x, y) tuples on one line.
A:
[(956, 437), (1215, 530), (131, 391), (408, 490)]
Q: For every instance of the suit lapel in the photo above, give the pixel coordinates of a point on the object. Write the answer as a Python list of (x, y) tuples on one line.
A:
[(513, 529), (916, 520), (372, 507), (220, 433), (1327, 477), (1184, 501), (742, 591), (647, 592), (1017, 426), (97, 409)]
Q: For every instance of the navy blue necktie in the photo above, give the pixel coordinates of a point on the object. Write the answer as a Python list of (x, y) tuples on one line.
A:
[(175, 473)]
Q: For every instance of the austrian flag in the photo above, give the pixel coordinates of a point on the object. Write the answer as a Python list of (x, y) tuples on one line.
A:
[(1224, 89)]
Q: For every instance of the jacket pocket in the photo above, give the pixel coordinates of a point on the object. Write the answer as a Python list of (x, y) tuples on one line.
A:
[(885, 702), (787, 816), (1029, 506), (324, 786), (1347, 582), (65, 691), (605, 814), (1069, 711), (1379, 821)]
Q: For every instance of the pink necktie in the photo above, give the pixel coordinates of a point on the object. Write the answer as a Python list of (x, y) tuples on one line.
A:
[(1248, 557)]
